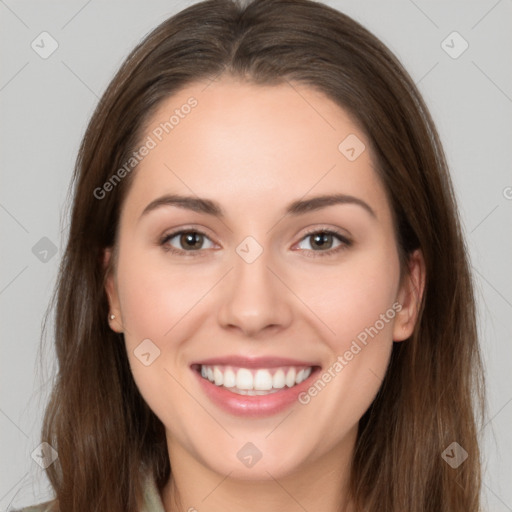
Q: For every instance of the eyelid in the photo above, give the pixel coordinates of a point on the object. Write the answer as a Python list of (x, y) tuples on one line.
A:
[(169, 235), (185, 229), (344, 239), (327, 229)]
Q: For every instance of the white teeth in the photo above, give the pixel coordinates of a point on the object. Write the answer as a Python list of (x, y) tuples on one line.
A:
[(229, 378), (290, 377), (252, 392), (263, 380), (307, 373), (260, 381), (278, 379), (244, 379), (302, 375), (218, 376)]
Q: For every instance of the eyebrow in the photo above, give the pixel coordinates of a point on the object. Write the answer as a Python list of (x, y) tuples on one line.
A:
[(299, 207)]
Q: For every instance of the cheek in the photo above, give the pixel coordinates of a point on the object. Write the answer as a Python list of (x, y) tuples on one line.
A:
[(165, 304), (345, 298), (155, 295), (356, 303), (156, 305), (350, 298)]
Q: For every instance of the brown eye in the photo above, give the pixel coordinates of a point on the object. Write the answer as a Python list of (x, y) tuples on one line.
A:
[(321, 240), (191, 240), (185, 241), (325, 242)]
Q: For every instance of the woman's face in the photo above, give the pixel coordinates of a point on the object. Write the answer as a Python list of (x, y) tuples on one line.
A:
[(269, 281)]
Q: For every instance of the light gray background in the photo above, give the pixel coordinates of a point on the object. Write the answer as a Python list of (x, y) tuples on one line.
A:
[(46, 103)]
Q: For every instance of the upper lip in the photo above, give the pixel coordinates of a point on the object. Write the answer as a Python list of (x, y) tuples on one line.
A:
[(253, 362)]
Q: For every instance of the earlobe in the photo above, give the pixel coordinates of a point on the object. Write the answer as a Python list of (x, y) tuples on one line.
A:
[(410, 296), (114, 315)]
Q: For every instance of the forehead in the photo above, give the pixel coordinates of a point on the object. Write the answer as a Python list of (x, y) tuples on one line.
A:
[(248, 145)]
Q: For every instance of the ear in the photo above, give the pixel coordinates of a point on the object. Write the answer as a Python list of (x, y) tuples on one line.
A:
[(409, 296), (116, 324)]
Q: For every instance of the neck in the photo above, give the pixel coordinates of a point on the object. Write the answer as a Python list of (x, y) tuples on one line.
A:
[(321, 483)]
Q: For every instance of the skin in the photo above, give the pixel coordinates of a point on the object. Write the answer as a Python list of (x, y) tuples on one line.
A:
[(254, 150)]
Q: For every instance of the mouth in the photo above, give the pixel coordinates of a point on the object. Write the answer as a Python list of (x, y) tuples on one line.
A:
[(254, 387), (252, 381)]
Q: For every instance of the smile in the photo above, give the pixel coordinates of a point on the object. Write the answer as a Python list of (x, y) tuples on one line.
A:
[(255, 388), (261, 381)]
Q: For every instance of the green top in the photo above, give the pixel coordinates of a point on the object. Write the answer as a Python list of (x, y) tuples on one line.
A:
[(152, 500)]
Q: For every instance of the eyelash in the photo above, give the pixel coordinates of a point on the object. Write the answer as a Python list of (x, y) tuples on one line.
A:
[(345, 243)]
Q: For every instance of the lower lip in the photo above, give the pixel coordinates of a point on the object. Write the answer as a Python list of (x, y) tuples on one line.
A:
[(257, 405)]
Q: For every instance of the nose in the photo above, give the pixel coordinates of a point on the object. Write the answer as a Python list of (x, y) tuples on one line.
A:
[(254, 298)]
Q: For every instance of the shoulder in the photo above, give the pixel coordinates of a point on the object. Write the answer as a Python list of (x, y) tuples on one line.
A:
[(47, 506)]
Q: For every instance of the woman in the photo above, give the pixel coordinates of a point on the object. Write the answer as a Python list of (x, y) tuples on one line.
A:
[(265, 301)]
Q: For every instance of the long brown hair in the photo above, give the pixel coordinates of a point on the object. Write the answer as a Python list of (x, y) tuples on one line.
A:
[(432, 394)]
